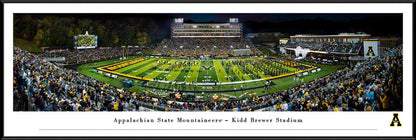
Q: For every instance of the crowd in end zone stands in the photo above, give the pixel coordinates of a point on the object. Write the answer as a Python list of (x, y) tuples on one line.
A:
[(89, 55), (337, 47), (203, 46), (376, 84), (372, 85)]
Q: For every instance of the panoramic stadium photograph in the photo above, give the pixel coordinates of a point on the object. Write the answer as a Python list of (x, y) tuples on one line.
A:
[(208, 62)]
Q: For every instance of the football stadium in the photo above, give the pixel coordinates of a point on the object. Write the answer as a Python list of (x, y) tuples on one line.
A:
[(201, 66)]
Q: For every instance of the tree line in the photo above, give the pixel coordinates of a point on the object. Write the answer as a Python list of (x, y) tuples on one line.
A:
[(59, 30)]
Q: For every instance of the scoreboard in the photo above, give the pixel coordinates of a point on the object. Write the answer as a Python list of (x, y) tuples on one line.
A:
[(85, 41)]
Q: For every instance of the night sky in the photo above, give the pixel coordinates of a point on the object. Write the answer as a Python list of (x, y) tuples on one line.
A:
[(382, 25), (376, 24), (249, 17), (274, 17)]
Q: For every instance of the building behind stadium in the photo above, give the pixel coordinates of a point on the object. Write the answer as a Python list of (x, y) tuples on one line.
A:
[(343, 46)]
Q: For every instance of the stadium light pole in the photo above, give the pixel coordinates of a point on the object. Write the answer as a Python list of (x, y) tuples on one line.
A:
[(127, 51), (123, 50)]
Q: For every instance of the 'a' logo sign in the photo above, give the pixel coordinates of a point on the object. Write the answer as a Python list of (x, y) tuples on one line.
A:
[(370, 51), (395, 120)]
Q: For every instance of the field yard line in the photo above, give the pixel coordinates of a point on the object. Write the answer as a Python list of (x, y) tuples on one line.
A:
[(234, 67), (215, 70), (285, 66), (142, 69), (170, 73), (118, 62), (133, 66), (199, 68), (153, 75), (238, 76), (197, 72), (190, 71), (261, 74), (223, 71), (171, 61), (160, 68), (200, 63), (178, 73), (183, 73)]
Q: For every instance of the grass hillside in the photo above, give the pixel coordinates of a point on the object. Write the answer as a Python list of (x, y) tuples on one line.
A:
[(26, 45)]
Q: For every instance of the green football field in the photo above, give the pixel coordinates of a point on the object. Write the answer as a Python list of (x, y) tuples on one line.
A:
[(230, 78)]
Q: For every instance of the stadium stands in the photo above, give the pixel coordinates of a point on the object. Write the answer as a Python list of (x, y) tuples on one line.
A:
[(203, 46), (88, 55)]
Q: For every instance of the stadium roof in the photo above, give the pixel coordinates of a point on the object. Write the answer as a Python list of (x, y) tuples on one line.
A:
[(202, 24), (338, 35)]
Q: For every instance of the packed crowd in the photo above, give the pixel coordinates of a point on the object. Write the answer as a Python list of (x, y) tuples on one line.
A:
[(203, 46), (43, 86), (89, 55), (376, 84), (337, 47), (373, 85)]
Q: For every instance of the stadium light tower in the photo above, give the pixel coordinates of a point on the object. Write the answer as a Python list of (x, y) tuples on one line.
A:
[(123, 50), (127, 51)]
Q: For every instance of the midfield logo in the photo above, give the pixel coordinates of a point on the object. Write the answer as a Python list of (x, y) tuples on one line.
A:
[(207, 67)]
